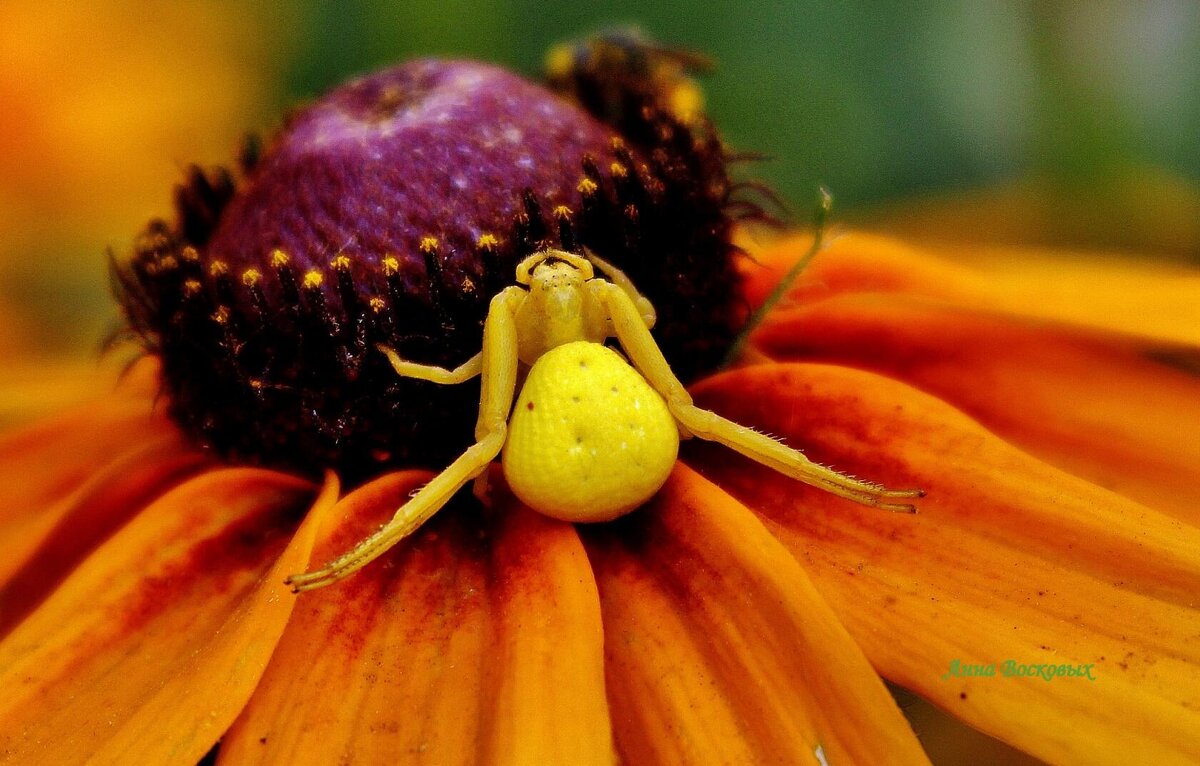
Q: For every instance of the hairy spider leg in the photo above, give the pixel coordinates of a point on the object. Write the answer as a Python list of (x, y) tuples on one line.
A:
[(499, 371), (642, 350)]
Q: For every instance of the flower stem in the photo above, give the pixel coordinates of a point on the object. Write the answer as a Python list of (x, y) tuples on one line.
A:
[(824, 207)]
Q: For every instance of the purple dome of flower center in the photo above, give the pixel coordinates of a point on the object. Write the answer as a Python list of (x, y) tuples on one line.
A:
[(427, 149)]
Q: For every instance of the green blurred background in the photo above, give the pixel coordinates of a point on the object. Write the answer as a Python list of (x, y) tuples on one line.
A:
[(1024, 123), (878, 100)]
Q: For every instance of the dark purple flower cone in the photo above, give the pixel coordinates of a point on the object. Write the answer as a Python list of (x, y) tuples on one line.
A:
[(429, 149), (389, 212)]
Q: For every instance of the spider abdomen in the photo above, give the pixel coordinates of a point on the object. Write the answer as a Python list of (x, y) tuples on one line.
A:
[(589, 439)]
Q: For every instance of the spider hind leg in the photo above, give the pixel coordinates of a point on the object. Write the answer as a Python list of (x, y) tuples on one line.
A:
[(639, 345), (497, 364)]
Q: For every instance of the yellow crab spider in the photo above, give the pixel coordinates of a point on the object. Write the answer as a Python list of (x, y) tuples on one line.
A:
[(590, 437)]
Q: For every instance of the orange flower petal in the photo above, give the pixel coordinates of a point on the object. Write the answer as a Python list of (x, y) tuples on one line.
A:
[(1140, 297), (1104, 406), (146, 653), (44, 462), (1009, 559), (30, 389), (721, 651), (550, 704), (453, 649), (40, 549), (853, 262), (1134, 295)]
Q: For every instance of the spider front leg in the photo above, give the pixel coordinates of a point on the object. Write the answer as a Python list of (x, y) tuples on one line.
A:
[(635, 338), (444, 377), (499, 370), (440, 375)]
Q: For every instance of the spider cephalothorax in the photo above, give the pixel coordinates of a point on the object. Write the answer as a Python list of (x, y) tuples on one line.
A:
[(390, 212)]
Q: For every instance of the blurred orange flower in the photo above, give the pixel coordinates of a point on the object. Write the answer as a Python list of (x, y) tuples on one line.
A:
[(101, 99), (739, 617)]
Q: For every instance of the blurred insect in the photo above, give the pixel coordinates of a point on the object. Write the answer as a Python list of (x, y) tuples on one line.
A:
[(590, 437), (604, 68)]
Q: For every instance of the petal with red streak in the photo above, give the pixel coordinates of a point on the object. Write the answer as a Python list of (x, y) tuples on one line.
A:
[(1009, 559), (550, 704), (1108, 407), (43, 548), (473, 641), (44, 462), (150, 648), (721, 651)]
